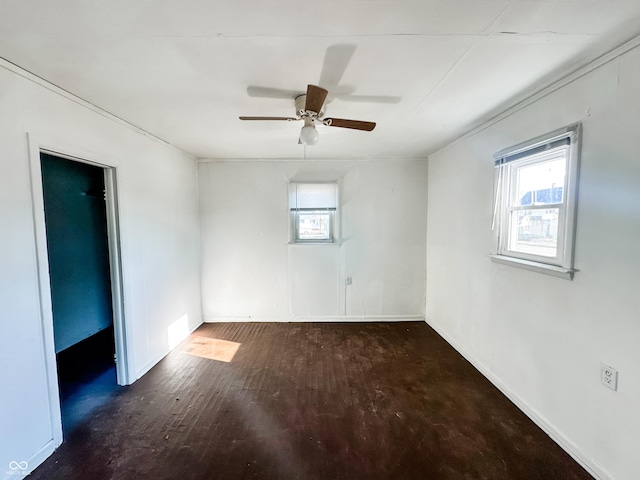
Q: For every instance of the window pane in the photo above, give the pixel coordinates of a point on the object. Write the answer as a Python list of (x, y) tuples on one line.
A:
[(541, 183), (314, 226), (535, 232)]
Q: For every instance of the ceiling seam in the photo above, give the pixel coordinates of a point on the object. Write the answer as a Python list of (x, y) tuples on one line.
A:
[(310, 160), (462, 56), (498, 17), (447, 74), (478, 35)]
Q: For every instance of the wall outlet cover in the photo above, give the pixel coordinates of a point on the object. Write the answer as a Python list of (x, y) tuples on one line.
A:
[(609, 377)]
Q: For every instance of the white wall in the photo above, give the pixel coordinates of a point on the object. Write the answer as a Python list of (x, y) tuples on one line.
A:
[(159, 239), (541, 338), (249, 270)]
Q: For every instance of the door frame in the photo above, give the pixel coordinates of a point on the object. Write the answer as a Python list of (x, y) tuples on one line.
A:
[(122, 347)]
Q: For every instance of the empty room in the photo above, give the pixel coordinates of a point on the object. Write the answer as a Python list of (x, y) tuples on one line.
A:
[(320, 240)]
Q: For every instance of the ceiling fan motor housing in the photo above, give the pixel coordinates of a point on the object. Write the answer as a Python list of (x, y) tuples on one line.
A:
[(309, 108), (301, 101)]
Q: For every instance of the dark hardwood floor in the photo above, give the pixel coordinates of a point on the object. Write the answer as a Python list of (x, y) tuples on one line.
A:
[(310, 401)]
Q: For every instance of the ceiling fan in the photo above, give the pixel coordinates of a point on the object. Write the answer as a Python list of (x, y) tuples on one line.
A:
[(309, 109)]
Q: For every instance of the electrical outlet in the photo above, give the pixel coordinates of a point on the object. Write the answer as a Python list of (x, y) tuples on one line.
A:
[(609, 377), (348, 281)]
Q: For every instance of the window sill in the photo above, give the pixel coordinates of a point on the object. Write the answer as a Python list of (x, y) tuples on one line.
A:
[(553, 270), (304, 244)]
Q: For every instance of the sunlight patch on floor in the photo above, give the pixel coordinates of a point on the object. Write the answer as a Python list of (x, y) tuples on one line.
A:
[(211, 348)]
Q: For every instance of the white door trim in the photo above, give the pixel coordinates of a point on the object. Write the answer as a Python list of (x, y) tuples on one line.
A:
[(123, 355)]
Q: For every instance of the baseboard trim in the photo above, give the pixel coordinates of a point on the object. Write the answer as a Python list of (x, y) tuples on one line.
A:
[(145, 369), (568, 446), (33, 462), (317, 319)]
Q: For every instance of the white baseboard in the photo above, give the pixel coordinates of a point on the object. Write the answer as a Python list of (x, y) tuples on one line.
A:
[(32, 463), (527, 409), (149, 365), (318, 319)]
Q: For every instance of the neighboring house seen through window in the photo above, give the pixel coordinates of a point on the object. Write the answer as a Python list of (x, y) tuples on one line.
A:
[(535, 202), (312, 208)]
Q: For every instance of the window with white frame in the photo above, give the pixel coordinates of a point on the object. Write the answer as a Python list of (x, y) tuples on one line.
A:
[(535, 202), (312, 208)]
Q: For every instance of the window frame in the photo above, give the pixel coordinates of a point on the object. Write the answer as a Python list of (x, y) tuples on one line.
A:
[(294, 214), (507, 164)]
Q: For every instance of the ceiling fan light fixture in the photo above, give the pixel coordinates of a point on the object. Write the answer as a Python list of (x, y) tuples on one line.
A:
[(309, 109), (309, 135)]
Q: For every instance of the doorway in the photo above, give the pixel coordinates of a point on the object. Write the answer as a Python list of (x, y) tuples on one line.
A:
[(79, 254)]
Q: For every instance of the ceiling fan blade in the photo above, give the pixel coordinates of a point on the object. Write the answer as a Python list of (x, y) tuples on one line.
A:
[(289, 119), (268, 92), (354, 124), (315, 98), (336, 60)]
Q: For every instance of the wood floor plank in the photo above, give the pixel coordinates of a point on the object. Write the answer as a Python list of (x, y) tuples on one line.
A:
[(311, 401)]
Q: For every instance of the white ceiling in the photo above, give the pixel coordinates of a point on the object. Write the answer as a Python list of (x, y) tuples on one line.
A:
[(185, 70)]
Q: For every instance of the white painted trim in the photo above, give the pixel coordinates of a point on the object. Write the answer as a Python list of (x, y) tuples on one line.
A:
[(527, 409), (153, 362), (33, 462), (553, 270), (44, 291), (316, 319), (124, 360), (12, 67), (318, 244), (311, 160), (527, 99), (36, 146)]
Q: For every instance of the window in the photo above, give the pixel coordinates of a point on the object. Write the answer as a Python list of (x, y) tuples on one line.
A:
[(312, 208), (535, 202)]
